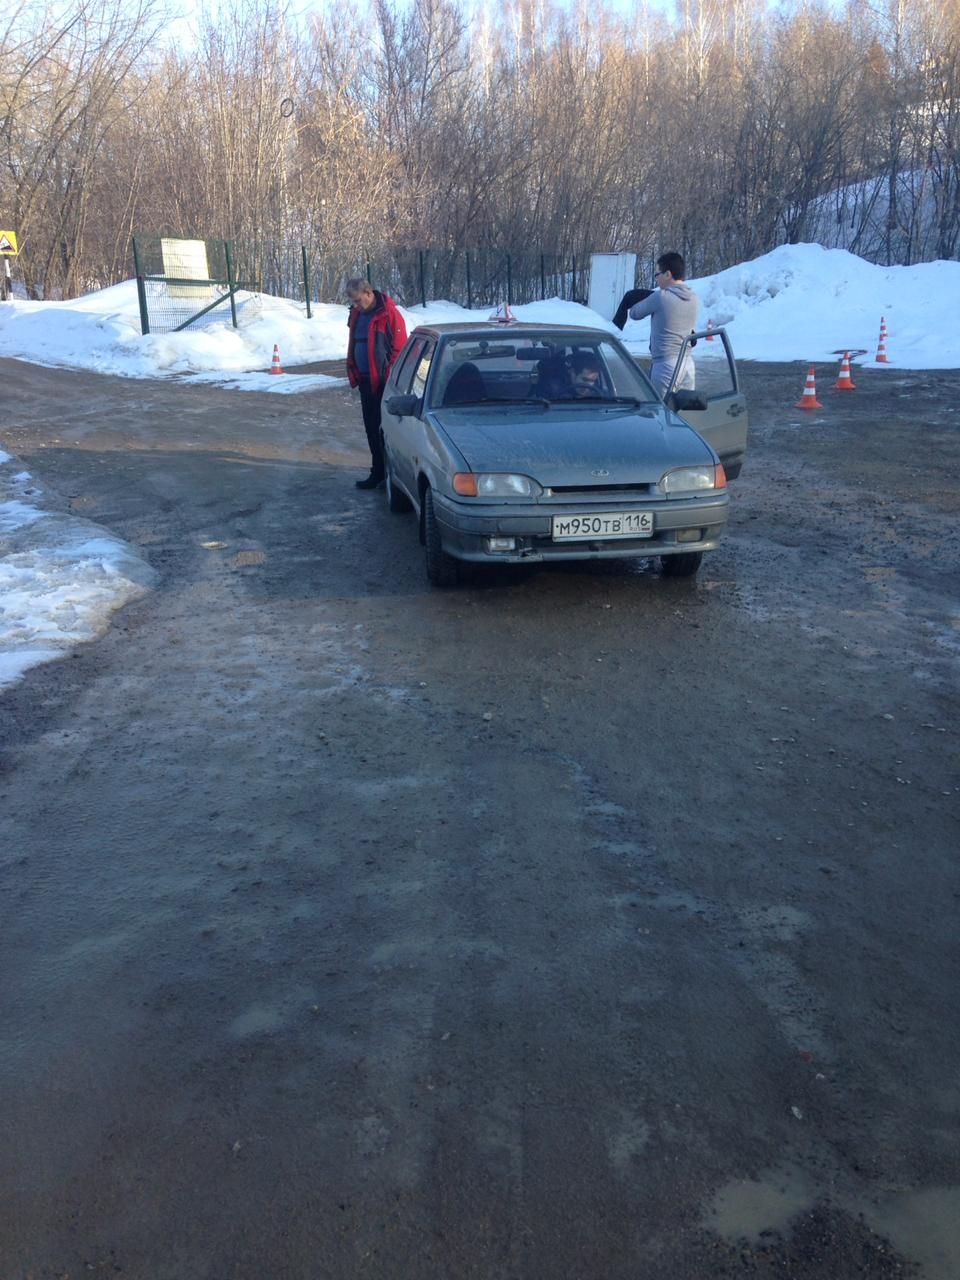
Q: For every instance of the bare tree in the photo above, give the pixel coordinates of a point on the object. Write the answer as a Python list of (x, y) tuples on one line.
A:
[(370, 133)]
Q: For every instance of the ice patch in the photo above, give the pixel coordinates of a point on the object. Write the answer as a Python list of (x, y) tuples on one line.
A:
[(14, 515), (61, 577)]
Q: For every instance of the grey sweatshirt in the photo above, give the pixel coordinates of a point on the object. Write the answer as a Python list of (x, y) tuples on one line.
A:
[(673, 313)]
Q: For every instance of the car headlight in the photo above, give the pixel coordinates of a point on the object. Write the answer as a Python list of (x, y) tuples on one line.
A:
[(494, 485), (693, 479)]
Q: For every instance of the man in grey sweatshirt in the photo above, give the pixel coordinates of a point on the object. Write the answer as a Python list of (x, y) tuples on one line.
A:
[(672, 309)]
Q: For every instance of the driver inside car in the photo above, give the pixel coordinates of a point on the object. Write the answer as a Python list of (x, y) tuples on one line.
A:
[(587, 376)]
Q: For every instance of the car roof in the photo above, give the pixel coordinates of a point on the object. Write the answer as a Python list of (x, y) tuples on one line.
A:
[(483, 329)]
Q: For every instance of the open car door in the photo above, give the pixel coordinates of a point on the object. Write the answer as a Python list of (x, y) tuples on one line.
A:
[(718, 408)]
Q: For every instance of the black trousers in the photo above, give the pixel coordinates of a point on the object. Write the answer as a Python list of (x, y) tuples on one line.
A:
[(370, 407)]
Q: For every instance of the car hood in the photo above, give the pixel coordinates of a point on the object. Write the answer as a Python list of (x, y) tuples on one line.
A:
[(557, 447)]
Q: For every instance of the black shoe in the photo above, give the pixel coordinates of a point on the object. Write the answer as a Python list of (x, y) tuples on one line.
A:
[(372, 482)]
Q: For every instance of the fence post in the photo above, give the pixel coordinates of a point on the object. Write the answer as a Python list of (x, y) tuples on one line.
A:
[(509, 283), (231, 282), (423, 291), (141, 290), (306, 278), (469, 289), (543, 279)]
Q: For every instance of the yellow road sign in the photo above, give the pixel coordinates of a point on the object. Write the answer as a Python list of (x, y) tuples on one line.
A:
[(8, 244)]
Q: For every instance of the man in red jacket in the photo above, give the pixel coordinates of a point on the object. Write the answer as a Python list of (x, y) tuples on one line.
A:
[(377, 335)]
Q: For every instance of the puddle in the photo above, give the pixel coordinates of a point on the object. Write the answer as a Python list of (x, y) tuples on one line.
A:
[(925, 1227), (922, 1226), (745, 1209)]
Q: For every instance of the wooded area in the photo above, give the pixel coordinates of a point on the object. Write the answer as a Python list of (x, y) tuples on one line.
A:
[(722, 132)]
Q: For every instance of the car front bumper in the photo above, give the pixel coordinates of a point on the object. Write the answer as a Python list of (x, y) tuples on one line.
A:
[(465, 528)]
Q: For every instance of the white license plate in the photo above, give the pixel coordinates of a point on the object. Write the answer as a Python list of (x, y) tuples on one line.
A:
[(604, 524)]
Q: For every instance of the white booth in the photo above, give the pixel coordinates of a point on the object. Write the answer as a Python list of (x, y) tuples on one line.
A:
[(611, 275)]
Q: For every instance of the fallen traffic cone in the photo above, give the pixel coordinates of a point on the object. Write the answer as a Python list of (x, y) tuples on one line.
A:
[(844, 381), (881, 356), (809, 398), (275, 362)]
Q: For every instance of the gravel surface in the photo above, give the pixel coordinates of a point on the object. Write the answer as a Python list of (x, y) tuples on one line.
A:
[(576, 923)]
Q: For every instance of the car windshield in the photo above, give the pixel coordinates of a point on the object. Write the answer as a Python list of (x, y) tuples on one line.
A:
[(537, 368)]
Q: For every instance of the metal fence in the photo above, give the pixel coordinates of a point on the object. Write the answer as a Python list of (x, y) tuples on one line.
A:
[(469, 277), (182, 282), (480, 277), (194, 282)]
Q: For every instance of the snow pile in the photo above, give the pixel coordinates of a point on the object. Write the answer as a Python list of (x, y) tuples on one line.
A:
[(101, 332), (798, 302), (60, 577), (804, 302)]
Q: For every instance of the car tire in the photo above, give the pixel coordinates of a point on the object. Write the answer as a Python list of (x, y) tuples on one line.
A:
[(442, 568), (397, 500), (684, 565)]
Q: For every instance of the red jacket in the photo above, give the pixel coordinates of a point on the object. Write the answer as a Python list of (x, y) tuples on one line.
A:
[(385, 339)]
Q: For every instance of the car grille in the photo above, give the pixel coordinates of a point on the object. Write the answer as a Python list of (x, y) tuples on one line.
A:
[(604, 492)]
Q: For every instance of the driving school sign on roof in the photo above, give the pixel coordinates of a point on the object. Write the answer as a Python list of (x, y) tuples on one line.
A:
[(8, 244)]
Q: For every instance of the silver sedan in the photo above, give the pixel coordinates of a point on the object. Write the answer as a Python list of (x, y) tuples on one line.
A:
[(520, 443)]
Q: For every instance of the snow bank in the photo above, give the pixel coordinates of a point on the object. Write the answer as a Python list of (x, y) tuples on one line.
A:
[(804, 302), (799, 302), (101, 332)]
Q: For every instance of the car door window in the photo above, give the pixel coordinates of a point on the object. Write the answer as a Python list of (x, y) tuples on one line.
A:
[(716, 370), (722, 416), (422, 371), (407, 366)]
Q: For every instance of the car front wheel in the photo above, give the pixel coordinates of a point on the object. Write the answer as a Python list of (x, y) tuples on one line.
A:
[(441, 567), (684, 565)]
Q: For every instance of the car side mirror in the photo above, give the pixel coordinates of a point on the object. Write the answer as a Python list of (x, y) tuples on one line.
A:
[(407, 406), (679, 401)]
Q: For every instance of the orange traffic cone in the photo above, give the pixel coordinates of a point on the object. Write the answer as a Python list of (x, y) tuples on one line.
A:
[(809, 398), (881, 356), (709, 329), (844, 381), (275, 362)]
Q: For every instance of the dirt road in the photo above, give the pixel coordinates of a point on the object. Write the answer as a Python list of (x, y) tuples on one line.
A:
[(578, 923)]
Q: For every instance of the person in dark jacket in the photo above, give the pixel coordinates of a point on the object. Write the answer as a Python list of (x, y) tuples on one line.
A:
[(377, 335)]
